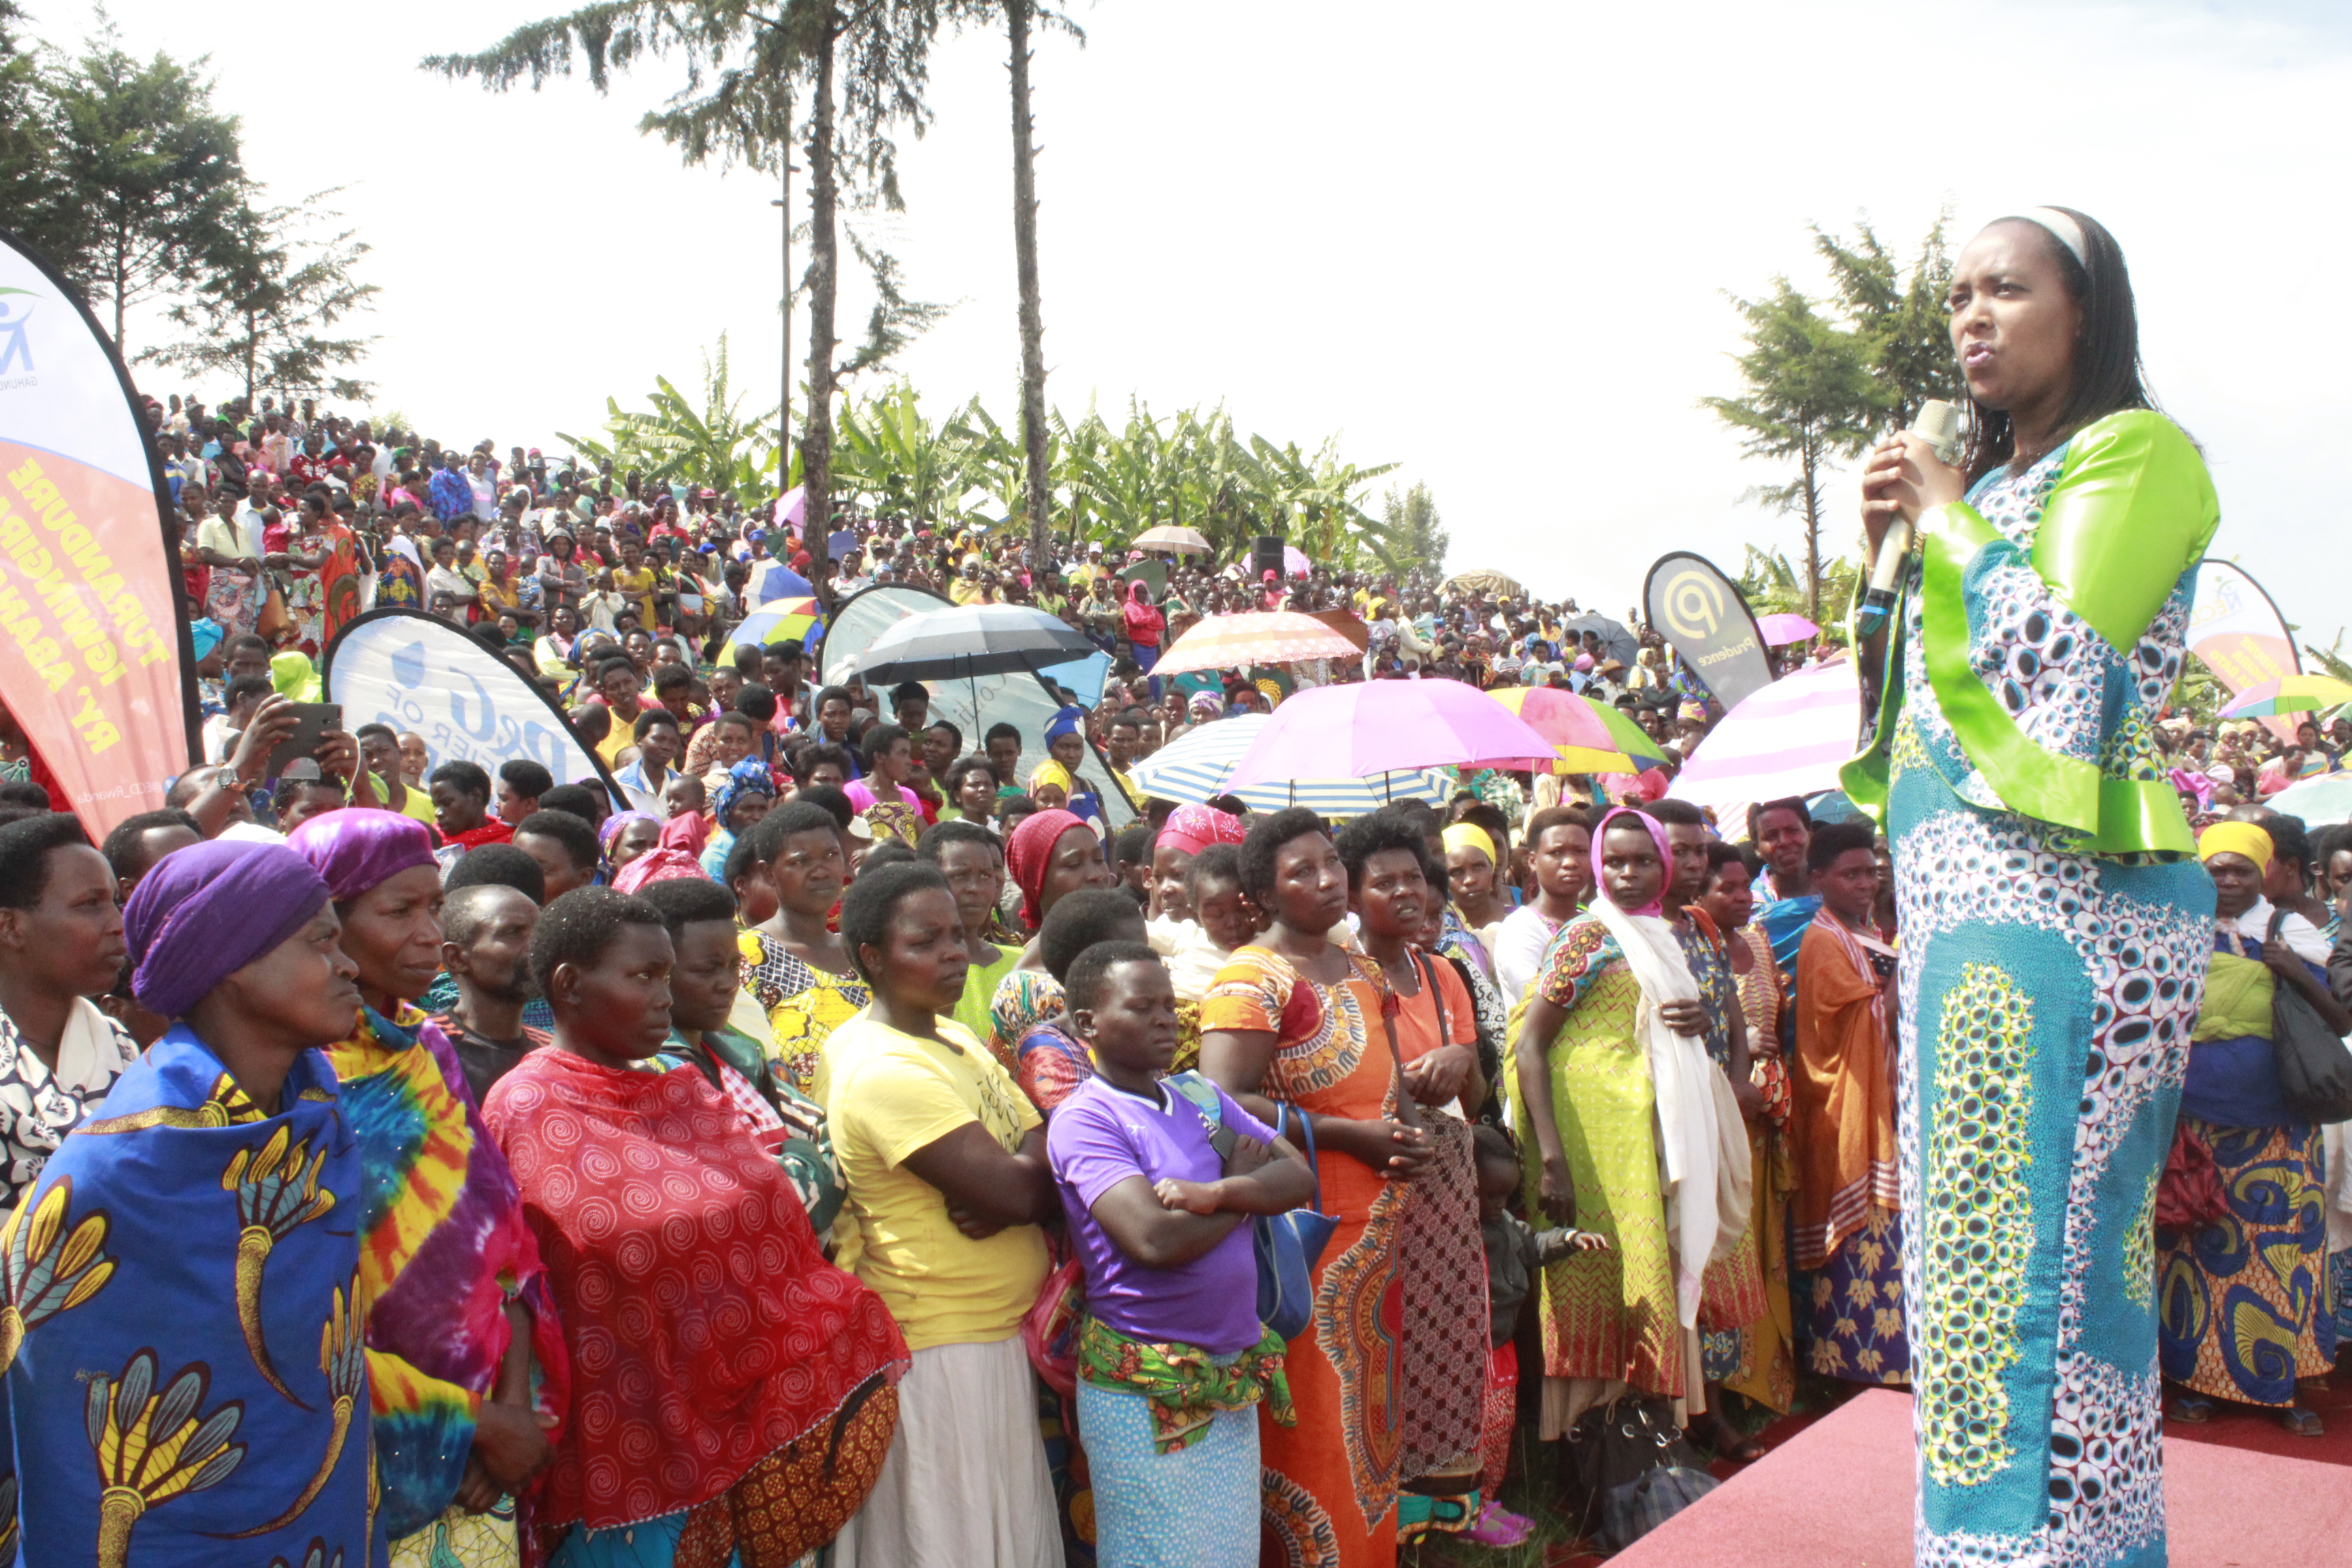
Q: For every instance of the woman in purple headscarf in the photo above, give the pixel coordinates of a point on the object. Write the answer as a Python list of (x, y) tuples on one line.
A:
[(459, 1299), (1614, 1082)]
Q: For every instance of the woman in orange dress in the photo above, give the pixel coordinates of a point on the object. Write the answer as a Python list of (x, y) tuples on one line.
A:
[(1295, 1019)]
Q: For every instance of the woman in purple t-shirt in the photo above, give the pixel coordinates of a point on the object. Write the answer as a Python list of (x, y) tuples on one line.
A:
[(1157, 1177)]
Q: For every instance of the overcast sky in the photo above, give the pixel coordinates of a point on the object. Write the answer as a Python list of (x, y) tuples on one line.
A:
[(1494, 254)]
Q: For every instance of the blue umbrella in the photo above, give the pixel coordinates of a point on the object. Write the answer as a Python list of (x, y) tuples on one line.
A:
[(772, 580), (1198, 763)]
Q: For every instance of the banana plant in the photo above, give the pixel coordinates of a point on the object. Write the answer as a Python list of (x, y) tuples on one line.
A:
[(712, 445)]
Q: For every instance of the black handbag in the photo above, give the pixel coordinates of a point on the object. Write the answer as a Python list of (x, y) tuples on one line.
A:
[(2313, 1067), (1635, 1468)]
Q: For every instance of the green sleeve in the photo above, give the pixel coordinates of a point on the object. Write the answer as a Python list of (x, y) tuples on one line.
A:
[(2133, 509)]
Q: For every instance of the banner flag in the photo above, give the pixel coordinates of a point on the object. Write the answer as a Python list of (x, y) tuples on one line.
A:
[(2239, 635), (415, 671), (96, 662), (1702, 612), (1018, 699)]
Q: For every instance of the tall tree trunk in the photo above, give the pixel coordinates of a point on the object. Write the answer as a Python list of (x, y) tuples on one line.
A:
[(825, 272), (1032, 325), (785, 404), (1812, 538)]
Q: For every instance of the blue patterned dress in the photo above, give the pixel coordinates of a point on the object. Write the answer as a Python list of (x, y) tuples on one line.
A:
[(2047, 995)]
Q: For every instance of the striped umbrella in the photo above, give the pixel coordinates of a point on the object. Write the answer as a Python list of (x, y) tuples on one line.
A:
[(1199, 762), (779, 622), (1589, 737), (1788, 739), (1261, 636), (2288, 694)]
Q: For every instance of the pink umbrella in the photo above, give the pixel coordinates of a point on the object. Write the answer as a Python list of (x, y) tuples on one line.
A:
[(1781, 629), (795, 504), (1385, 726), (1293, 560), (1258, 637)]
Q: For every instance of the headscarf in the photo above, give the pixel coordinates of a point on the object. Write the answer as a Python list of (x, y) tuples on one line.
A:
[(358, 847), (1470, 836), (1065, 721), (1211, 703), (204, 912), (1584, 664), (295, 676), (1658, 832), (749, 776), (657, 865), (206, 634), (2237, 839), (1030, 851), (1050, 772), (1194, 828), (611, 831), (689, 831)]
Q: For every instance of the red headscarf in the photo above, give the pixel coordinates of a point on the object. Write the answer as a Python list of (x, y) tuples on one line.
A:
[(1194, 828), (1030, 851)]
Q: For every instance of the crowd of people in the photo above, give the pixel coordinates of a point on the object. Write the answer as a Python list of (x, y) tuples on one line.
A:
[(840, 1144)]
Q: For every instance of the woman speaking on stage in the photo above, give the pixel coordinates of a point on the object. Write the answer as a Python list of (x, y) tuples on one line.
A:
[(2055, 921)]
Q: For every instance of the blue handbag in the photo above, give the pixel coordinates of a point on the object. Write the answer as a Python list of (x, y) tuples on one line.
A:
[(1287, 1245)]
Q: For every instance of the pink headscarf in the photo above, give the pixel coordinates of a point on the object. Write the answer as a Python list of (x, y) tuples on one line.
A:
[(1658, 832), (1030, 851), (656, 865), (1194, 828)]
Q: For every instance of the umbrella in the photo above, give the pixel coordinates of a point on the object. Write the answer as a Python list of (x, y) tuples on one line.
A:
[(1294, 561), (1260, 636), (1482, 581), (2318, 802), (1616, 641), (773, 580), (781, 621), (1790, 738), (2288, 694), (1587, 737), (1782, 629), (1199, 765), (965, 641), (794, 506), (1387, 726), (1167, 536)]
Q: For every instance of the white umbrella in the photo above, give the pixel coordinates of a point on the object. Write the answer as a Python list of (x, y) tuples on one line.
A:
[(1199, 762)]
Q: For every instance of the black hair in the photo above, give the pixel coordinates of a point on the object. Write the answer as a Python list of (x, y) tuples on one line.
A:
[(1489, 1144), (1013, 805), (606, 666), (1230, 805), (1000, 732), (366, 731), (909, 691), (240, 642), (833, 800), (1832, 839), (459, 919), (749, 662), (526, 778), (2289, 841), (650, 720), (962, 768), (1078, 921), (800, 814), (880, 739), (1387, 829), (1218, 860), (889, 852), (24, 846), (757, 703), (742, 860), (933, 846), (573, 832), (289, 789), (1719, 855), (1267, 836), (1494, 823), (689, 900), (791, 650), (1790, 803), (466, 778), (498, 866), (1552, 816), (572, 799), (579, 927), (808, 758), (1090, 972), (2107, 371), (828, 694), (590, 724), (241, 686), (745, 720), (1132, 717), (1132, 844), (125, 845), (672, 676), (872, 901), (1673, 813), (955, 735)]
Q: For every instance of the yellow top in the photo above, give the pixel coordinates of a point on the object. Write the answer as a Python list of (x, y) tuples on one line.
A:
[(887, 1095)]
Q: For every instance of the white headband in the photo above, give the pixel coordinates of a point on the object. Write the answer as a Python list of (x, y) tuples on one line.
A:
[(2063, 228)]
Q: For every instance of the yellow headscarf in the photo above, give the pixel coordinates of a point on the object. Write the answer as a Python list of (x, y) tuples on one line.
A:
[(2236, 838), (1470, 836), (1050, 772)]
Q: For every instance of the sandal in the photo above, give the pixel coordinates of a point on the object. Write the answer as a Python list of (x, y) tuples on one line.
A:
[(1498, 1526), (2191, 1409), (2302, 1423)]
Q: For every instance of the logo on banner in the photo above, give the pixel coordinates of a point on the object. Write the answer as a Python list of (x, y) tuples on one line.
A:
[(1694, 605), (15, 345)]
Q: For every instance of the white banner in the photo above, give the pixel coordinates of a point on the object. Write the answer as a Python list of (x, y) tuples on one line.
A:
[(415, 671)]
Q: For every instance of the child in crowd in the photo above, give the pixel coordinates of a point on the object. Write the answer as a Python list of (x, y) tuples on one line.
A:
[(1223, 919), (1514, 1252)]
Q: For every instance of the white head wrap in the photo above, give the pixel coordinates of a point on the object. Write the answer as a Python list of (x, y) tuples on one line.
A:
[(2067, 232)]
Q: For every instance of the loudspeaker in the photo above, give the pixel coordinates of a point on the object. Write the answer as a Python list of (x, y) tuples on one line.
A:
[(1265, 555)]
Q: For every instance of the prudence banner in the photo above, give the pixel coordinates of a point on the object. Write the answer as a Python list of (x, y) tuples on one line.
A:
[(415, 671), (2240, 634), (95, 660), (1702, 612)]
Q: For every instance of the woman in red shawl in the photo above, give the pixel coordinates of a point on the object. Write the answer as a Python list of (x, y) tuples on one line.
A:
[(734, 1394), (1049, 857)]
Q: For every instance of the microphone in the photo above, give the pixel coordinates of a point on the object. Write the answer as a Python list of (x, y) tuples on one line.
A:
[(1939, 425)]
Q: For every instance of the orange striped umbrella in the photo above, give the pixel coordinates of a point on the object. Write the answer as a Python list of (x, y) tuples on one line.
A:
[(1262, 637)]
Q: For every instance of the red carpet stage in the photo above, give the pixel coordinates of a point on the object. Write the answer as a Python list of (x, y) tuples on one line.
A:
[(2238, 1492)]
